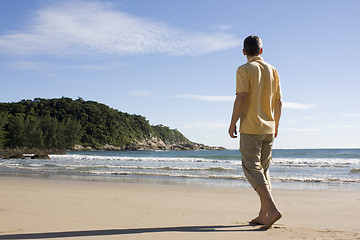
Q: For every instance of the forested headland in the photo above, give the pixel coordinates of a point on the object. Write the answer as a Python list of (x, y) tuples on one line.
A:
[(68, 124)]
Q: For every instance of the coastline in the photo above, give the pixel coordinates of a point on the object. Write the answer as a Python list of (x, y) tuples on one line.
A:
[(144, 145), (335, 170), (38, 208)]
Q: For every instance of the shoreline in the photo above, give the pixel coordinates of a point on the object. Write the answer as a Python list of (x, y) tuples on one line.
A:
[(183, 181), (312, 170), (72, 209)]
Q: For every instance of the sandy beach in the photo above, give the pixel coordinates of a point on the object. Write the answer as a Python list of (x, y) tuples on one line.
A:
[(32, 208)]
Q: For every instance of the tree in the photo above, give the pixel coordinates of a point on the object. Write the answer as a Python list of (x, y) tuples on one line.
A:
[(3, 122), (16, 131), (50, 132), (62, 123), (33, 133), (73, 132)]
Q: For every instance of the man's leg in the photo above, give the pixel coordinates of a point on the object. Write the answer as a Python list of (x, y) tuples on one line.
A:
[(256, 156), (250, 148), (266, 199), (261, 218), (268, 205), (266, 155)]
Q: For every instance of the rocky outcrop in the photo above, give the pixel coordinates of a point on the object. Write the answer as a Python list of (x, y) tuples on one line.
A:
[(157, 144), (14, 155), (41, 156), (150, 144), (22, 153), (106, 147)]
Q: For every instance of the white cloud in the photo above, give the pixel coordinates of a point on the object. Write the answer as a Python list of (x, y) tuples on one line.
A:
[(208, 98), (140, 93), (103, 66), (27, 65), (344, 126), (349, 115), (87, 27), (293, 105), (205, 98), (301, 119), (207, 125), (301, 129), (224, 27), (43, 66)]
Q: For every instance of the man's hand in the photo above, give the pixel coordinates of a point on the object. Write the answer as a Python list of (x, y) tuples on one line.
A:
[(239, 105), (232, 131), (277, 114)]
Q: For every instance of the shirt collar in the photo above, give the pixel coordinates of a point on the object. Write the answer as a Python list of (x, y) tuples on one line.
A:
[(256, 58)]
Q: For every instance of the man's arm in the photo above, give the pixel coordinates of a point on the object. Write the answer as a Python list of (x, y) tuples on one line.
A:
[(239, 105), (277, 115)]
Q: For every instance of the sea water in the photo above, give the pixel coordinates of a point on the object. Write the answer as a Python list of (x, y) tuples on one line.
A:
[(309, 169)]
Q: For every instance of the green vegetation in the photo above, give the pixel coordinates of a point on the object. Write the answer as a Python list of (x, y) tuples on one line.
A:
[(168, 135), (63, 123)]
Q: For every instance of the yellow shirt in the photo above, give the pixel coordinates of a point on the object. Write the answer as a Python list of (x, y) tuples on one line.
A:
[(261, 81)]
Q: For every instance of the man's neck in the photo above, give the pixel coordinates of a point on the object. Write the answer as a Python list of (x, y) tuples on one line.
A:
[(248, 57)]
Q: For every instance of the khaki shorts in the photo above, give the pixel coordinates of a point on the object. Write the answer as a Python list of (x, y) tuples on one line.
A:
[(256, 156)]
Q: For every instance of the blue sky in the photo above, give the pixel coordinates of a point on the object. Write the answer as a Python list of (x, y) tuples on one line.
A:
[(174, 62)]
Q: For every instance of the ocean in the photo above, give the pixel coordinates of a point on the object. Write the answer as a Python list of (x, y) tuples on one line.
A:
[(307, 169)]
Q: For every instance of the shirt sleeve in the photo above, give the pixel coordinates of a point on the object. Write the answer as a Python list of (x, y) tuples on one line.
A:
[(278, 94), (242, 81)]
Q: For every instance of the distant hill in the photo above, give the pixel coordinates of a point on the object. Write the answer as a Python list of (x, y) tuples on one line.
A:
[(65, 123)]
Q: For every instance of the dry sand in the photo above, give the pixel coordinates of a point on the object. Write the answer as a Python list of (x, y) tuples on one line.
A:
[(62, 209)]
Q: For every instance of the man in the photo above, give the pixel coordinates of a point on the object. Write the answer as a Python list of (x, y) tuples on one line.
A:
[(258, 106)]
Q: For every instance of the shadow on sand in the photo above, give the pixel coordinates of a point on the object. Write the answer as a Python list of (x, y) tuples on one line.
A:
[(90, 233)]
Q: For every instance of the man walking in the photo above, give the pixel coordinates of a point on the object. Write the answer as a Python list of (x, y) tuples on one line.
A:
[(258, 106)]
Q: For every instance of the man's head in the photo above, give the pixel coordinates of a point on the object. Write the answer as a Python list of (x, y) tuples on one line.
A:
[(252, 46)]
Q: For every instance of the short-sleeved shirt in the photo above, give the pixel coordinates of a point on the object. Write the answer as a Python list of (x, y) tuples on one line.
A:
[(261, 81)]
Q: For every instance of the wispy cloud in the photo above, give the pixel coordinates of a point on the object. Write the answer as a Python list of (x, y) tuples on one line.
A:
[(28, 65), (206, 98), (87, 27), (349, 115), (207, 125), (224, 27), (301, 119), (342, 126), (301, 129), (140, 93), (293, 105), (43, 66)]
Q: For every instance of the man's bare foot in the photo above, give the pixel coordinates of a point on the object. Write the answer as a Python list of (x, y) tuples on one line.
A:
[(271, 219), (258, 221)]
